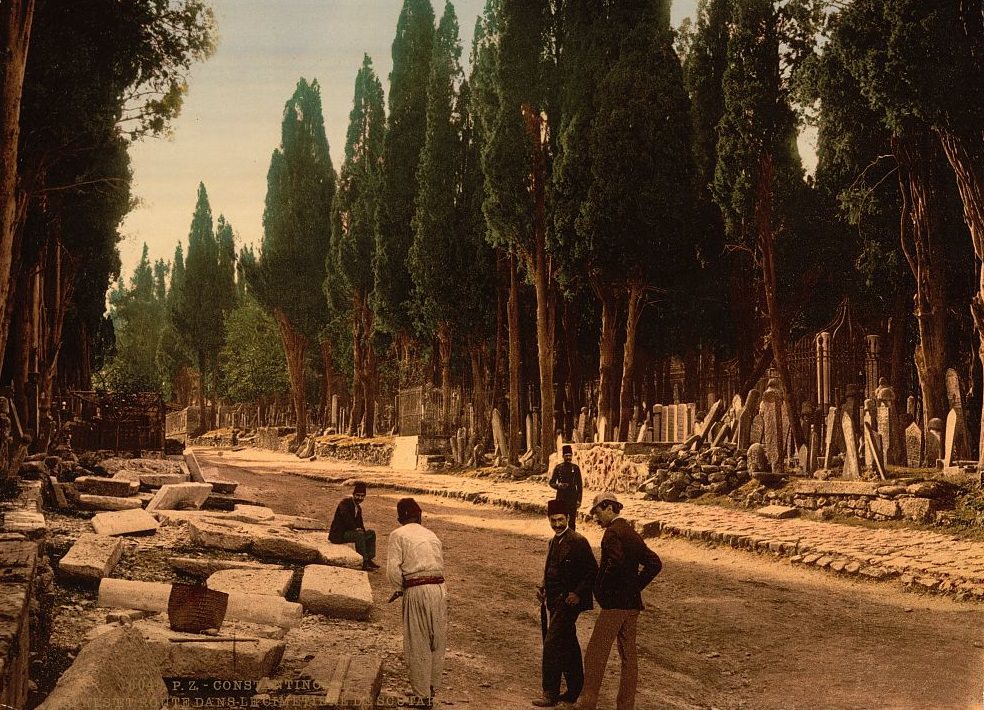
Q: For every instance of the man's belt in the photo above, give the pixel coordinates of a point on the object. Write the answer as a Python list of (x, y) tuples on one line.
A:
[(420, 581)]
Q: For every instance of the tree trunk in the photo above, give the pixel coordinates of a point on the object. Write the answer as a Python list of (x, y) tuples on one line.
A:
[(295, 344), (497, 395), (606, 350), (443, 336), (920, 238), (480, 433), (369, 391), (15, 34), (328, 365), (635, 307), (515, 363), (966, 154), (777, 331)]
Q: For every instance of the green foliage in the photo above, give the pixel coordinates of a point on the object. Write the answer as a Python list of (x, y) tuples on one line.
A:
[(206, 291), (436, 254), (252, 366), (405, 135), (296, 220), (137, 318)]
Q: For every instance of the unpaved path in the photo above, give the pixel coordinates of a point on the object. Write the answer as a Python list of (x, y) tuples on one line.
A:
[(723, 629)]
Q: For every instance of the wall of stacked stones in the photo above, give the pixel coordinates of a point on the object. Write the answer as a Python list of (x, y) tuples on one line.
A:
[(917, 501), (609, 466)]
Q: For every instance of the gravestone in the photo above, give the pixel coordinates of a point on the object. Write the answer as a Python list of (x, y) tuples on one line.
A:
[(602, 428), (951, 437), (455, 452), (499, 436), (913, 445), (954, 395), (873, 446), (803, 454), (529, 432), (934, 442), (745, 418), (889, 427), (582, 422), (577, 437), (910, 406), (462, 445), (722, 435), (688, 414), (758, 462), (669, 423), (657, 423), (755, 434), (642, 434), (811, 459), (868, 419), (772, 424), (715, 413), (852, 468)]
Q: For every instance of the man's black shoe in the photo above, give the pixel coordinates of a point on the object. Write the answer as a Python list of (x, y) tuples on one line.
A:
[(545, 702)]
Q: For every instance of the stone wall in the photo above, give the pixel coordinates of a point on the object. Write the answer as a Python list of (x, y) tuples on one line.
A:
[(374, 452), (611, 466), (903, 499)]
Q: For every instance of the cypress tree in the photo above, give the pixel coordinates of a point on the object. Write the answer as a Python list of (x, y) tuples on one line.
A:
[(290, 268), (351, 278), (405, 135)]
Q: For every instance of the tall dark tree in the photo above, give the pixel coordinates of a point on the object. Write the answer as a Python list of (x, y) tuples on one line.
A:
[(351, 278), (405, 135), (174, 359), (296, 228), (516, 166), (436, 257)]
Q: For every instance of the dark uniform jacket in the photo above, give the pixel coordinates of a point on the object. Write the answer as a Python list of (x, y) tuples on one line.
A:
[(620, 580), (348, 516), (570, 567), (565, 472)]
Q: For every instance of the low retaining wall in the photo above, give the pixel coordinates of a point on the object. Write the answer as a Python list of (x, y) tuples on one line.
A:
[(617, 466), (915, 500), (374, 452)]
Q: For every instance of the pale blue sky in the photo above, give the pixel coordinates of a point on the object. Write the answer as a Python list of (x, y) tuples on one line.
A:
[(230, 123)]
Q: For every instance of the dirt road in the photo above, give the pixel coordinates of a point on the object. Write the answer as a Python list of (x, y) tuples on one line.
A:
[(723, 629)]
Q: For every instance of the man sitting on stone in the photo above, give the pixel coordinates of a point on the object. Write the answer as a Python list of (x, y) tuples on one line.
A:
[(347, 526)]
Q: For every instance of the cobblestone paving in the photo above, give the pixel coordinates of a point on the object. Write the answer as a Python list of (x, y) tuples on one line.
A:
[(919, 560)]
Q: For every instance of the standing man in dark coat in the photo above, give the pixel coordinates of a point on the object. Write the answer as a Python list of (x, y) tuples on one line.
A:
[(566, 480), (347, 526), (627, 566), (568, 576)]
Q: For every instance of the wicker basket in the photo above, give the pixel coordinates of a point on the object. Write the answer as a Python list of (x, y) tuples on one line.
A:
[(194, 607)]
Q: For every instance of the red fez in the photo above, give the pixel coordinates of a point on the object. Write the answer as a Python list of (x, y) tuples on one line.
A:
[(359, 487), (556, 507), (566, 449)]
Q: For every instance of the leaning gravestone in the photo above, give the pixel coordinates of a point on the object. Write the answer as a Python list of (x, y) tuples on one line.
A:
[(811, 458), (745, 418), (713, 415), (913, 445), (852, 469), (773, 439), (643, 432), (934, 442), (874, 448), (868, 421), (954, 395)]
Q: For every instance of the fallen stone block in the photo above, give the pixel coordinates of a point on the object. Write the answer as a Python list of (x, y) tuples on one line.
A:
[(91, 558), (117, 669), (194, 468), (29, 523), (298, 522), (285, 545), (152, 479), (335, 591), (153, 596), (59, 493), (253, 581), (207, 566), (218, 536), (222, 485), (224, 501), (101, 486), (778, 512), (884, 507), (124, 522), (255, 514), (94, 502), (344, 680), (918, 509), (180, 496)]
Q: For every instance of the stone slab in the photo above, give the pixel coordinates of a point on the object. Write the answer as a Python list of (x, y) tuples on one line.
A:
[(404, 454), (299, 522), (206, 566), (180, 495), (151, 479), (884, 507), (778, 512), (95, 502), (269, 541), (253, 581), (152, 596), (256, 514), (346, 680), (221, 485), (208, 658), (117, 669), (92, 557), (124, 522), (220, 535), (337, 592), (29, 523), (102, 486)]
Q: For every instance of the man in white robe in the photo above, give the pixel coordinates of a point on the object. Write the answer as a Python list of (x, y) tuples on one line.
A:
[(415, 564)]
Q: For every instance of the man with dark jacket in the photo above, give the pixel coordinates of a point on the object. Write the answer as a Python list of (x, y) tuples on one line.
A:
[(566, 480), (618, 589), (347, 526), (568, 576)]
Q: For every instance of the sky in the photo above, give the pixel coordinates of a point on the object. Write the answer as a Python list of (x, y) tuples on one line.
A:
[(230, 122)]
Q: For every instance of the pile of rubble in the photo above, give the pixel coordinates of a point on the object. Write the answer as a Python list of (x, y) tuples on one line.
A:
[(274, 569), (683, 473)]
